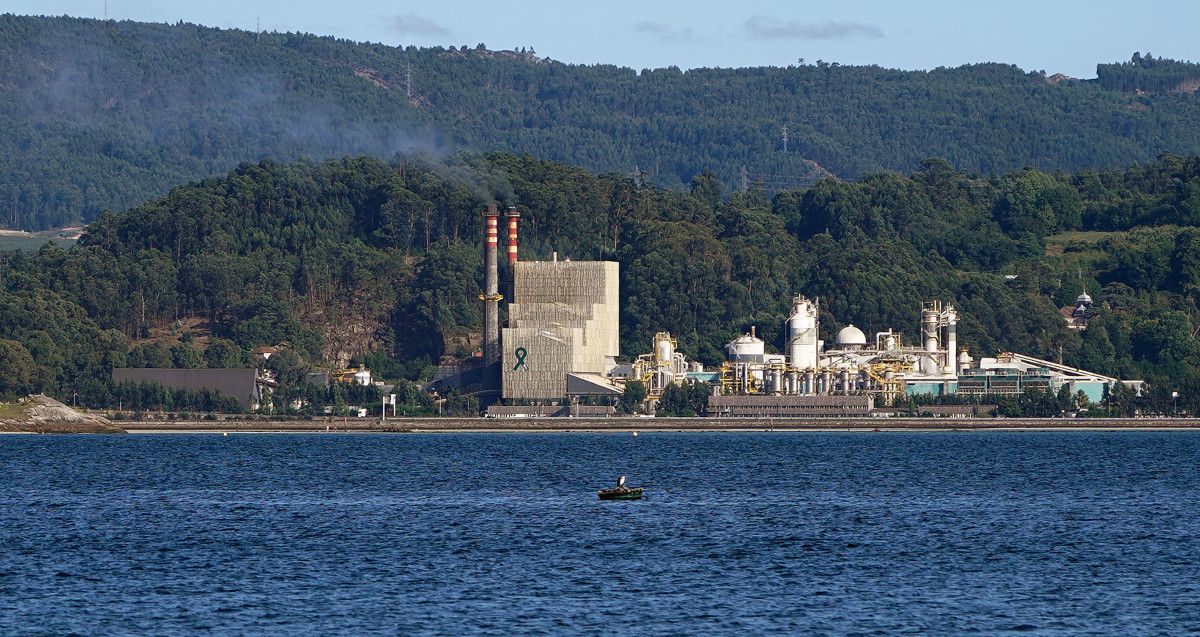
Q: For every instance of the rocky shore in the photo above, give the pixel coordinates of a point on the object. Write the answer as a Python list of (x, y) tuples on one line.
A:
[(44, 415)]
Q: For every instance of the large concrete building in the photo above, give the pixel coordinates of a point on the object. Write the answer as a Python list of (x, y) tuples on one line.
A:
[(563, 330)]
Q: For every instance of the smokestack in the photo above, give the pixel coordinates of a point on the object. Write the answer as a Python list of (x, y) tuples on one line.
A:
[(491, 285), (513, 215)]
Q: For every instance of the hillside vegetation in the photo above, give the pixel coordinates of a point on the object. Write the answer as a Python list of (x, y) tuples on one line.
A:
[(105, 115), (357, 260)]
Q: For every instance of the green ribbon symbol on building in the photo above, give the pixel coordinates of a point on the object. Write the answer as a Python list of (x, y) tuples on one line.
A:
[(521, 353)]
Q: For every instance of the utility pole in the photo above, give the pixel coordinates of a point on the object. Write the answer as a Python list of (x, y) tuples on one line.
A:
[(105, 9)]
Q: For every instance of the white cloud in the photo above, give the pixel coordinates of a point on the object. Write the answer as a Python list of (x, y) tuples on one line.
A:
[(761, 27)]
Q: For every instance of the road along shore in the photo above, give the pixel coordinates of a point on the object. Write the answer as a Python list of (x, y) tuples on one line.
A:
[(413, 425)]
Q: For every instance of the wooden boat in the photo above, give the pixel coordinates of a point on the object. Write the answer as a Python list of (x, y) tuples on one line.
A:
[(621, 493)]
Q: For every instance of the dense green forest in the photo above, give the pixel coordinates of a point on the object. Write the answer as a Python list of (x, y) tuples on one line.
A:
[(105, 115), (361, 260)]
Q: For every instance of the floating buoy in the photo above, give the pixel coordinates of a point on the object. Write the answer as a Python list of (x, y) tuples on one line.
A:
[(225, 434), (635, 434)]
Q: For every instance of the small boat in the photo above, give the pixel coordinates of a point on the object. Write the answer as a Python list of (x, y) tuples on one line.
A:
[(621, 492)]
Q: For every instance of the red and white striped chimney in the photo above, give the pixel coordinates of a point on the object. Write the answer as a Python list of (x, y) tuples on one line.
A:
[(491, 285), (513, 215)]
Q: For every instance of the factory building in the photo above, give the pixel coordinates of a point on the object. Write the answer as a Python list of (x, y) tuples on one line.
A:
[(563, 333), (886, 368), (562, 336), (810, 377), (562, 341), (1011, 374)]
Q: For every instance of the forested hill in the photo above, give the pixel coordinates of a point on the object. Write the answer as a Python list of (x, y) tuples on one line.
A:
[(358, 259), (102, 114)]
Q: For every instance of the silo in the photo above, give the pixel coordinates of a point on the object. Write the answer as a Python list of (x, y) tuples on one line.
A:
[(746, 348), (929, 327), (951, 338), (801, 332), (664, 348)]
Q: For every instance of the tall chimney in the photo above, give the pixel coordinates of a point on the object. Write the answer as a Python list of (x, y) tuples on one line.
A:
[(513, 215), (491, 292)]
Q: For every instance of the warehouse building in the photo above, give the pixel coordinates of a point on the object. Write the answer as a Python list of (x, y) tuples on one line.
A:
[(243, 385)]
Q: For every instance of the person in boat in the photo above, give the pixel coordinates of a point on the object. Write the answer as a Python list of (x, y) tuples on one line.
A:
[(621, 483)]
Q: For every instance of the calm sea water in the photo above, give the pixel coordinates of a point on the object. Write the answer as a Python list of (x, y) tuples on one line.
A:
[(741, 533)]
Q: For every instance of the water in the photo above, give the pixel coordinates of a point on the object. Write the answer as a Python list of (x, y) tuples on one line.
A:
[(741, 533)]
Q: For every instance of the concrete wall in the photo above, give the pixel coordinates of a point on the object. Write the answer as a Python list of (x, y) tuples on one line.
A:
[(541, 374), (566, 315)]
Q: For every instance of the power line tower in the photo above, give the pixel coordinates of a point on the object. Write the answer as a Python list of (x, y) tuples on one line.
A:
[(745, 180), (785, 140), (408, 81)]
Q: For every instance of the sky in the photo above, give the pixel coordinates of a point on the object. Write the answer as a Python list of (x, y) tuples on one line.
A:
[(1057, 36)]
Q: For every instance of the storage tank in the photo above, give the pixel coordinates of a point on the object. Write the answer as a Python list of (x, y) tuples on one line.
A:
[(951, 338), (746, 348), (851, 338), (964, 362), (801, 332), (929, 329), (664, 348)]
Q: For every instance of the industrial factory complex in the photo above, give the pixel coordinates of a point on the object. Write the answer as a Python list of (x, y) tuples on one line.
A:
[(561, 343)]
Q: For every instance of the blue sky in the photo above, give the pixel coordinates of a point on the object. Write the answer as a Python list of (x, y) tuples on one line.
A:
[(1056, 36)]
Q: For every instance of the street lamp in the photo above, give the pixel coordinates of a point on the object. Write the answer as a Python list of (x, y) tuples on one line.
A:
[(1175, 397)]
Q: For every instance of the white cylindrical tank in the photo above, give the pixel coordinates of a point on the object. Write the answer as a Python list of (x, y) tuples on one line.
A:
[(929, 330), (802, 327), (745, 349), (951, 338), (964, 362), (664, 350)]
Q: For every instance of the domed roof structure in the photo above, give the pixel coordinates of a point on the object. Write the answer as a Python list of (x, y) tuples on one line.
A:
[(851, 336), (1083, 299), (746, 339), (746, 348)]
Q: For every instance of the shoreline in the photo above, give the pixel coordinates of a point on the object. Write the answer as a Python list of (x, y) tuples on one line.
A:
[(602, 425)]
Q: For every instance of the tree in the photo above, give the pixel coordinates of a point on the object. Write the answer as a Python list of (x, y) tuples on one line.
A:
[(633, 397), (185, 356), (223, 353), (17, 370)]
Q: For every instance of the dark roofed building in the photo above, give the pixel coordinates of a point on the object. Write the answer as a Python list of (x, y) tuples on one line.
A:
[(239, 384)]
